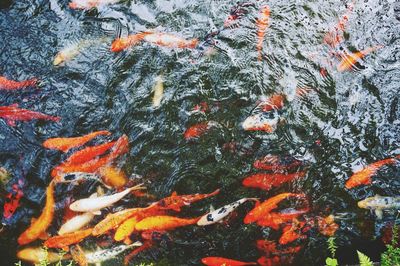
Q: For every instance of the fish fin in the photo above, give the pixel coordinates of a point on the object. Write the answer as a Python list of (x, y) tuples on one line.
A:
[(174, 193), (97, 212), (33, 220), (136, 244), (127, 241), (44, 236), (379, 213), (94, 195), (212, 208), (10, 122)]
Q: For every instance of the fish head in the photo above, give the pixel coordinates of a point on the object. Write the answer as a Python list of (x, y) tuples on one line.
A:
[(59, 59)]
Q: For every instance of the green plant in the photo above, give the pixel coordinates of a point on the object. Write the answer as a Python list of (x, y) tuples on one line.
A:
[(19, 263), (391, 257), (331, 261), (364, 259)]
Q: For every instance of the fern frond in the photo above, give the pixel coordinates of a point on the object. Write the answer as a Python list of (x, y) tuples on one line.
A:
[(364, 259)]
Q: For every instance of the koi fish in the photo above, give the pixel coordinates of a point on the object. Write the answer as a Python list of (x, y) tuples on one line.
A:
[(275, 102), (350, 59), (67, 239), (113, 177), (89, 153), (273, 163), (275, 260), (269, 248), (113, 220), (65, 144), (221, 213), (290, 234), (236, 13), (12, 200), (123, 43), (162, 222), (327, 225), (176, 202), (126, 228), (198, 130), (6, 84), (40, 225), (262, 25), (169, 40), (363, 176), (267, 181), (219, 261), (103, 255), (275, 219), (76, 223), (96, 204), (267, 206), (12, 113), (379, 203), (158, 90), (130, 256), (38, 254), (78, 255), (77, 177), (261, 122), (335, 36), (88, 4)]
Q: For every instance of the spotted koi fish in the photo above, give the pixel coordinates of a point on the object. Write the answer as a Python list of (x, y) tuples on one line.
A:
[(379, 203)]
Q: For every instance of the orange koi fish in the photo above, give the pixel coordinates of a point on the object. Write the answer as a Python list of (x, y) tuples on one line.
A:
[(219, 261), (264, 208), (170, 40), (350, 59), (275, 102), (12, 200), (78, 255), (68, 239), (65, 144), (363, 176), (269, 248), (275, 260), (89, 153), (6, 84), (126, 228), (120, 147), (275, 219), (88, 4), (290, 234), (335, 36), (123, 43), (262, 25), (37, 255), (12, 113), (176, 202), (267, 181), (40, 225), (273, 163), (113, 176), (162, 222), (327, 225), (113, 220), (198, 130)]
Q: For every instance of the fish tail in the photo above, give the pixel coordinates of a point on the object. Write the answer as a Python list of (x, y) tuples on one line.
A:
[(135, 244)]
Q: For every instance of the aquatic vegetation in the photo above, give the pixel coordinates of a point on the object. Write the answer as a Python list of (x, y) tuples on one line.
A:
[(391, 257)]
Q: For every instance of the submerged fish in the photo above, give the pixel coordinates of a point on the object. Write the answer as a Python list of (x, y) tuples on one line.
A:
[(40, 225), (96, 204), (6, 84), (77, 177), (69, 52), (269, 248), (274, 163), (87, 4), (276, 219), (199, 129), (76, 223), (89, 153), (12, 200), (259, 212), (158, 90), (363, 176), (162, 222), (237, 12), (126, 228), (350, 59), (262, 25), (63, 241), (37, 255), (65, 144), (274, 102), (221, 213), (123, 43), (176, 202), (12, 113), (219, 261), (78, 255), (267, 181), (292, 232), (112, 176), (379, 203), (103, 255), (261, 122)]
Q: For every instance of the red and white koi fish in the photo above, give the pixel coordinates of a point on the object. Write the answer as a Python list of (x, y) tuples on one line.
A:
[(87, 4), (262, 25), (6, 84), (261, 122), (12, 113)]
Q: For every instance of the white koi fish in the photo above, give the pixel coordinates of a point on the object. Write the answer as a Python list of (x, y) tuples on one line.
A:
[(96, 204), (221, 213), (76, 223), (87, 4), (107, 254), (261, 122), (379, 203), (158, 91), (38, 254)]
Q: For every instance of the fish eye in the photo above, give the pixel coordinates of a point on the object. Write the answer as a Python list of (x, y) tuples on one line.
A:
[(69, 177)]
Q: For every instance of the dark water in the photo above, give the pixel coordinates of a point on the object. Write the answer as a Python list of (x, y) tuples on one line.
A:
[(349, 120)]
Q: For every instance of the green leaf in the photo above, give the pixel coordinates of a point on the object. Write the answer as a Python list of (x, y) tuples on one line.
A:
[(364, 259), (331, 262)]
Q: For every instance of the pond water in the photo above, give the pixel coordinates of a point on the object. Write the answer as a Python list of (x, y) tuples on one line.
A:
[(344, 121)]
